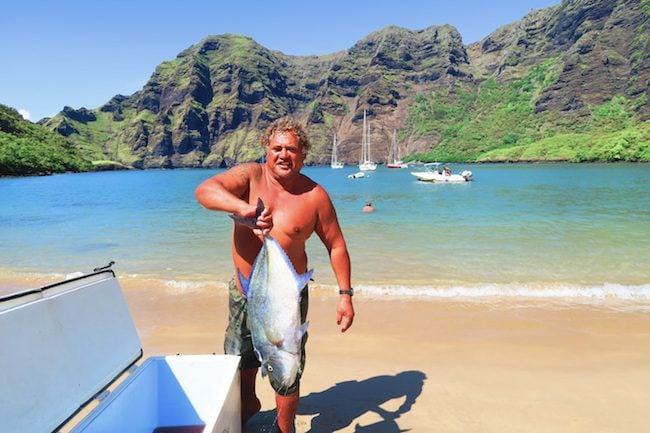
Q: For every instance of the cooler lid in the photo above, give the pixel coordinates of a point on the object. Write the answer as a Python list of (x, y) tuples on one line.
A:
[(61, 345)]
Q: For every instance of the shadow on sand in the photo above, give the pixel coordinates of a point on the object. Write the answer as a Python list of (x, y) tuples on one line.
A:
[(339, 406)]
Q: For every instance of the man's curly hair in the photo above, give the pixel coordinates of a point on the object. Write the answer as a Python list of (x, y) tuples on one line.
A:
[(287, 124)]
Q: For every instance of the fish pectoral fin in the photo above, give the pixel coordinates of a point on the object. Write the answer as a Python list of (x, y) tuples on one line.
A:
[(258, 355), (303, 279), (274, 337), (261, 360)]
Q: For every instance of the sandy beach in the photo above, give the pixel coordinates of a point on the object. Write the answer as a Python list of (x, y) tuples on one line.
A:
[(437, 365)]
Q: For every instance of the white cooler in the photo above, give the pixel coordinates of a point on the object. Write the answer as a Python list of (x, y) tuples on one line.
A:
[(62, 345)]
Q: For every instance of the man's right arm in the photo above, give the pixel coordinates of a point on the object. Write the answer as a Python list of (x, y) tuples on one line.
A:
[(227, 191)]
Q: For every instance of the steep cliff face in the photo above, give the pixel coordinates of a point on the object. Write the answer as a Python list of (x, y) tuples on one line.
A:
[(381, 74), (209, 106), (600, 49)]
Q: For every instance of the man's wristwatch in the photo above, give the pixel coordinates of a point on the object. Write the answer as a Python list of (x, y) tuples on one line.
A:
[(350, 292)]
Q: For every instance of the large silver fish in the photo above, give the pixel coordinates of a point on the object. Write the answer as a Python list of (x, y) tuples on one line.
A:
[(273, 291)]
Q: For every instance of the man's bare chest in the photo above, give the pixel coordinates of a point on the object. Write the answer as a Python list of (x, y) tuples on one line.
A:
[(293, 214)]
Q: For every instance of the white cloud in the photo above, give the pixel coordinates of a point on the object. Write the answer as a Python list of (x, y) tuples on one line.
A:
[(26, 114)]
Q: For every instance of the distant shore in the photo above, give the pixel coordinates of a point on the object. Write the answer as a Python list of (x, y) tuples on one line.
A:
[(117, 166)]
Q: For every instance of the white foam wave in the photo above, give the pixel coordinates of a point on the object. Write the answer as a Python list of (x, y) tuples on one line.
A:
[(494, 291), (184, 286)]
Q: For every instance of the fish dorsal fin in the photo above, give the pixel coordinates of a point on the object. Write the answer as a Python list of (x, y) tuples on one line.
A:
[(244, 282), (261, 360)]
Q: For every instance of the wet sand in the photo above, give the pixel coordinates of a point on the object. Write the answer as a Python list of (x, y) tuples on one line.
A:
[(437, 365)]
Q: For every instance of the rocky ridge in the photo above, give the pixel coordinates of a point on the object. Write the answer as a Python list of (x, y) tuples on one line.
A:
[(209, 105)]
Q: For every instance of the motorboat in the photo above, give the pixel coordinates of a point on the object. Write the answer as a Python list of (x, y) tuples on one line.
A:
[(441, 173), (356, 175)]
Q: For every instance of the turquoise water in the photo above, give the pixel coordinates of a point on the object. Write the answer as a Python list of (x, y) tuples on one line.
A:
[(536, 229)]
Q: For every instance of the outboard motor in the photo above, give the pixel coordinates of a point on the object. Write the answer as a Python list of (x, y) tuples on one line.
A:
[(467, 175)]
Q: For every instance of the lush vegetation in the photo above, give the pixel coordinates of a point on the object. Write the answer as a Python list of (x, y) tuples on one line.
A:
[(499, 122), (30, 149)]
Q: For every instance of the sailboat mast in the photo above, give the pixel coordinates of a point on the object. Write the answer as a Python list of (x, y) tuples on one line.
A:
[(368, 145), (363, 139)]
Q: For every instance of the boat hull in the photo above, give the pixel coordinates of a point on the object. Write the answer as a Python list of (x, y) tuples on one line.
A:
[(368, 166), (427, 176)]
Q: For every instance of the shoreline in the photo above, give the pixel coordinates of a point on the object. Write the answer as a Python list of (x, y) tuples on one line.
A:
[(438, 366), (435, 365), (557, 295), (503, 162)]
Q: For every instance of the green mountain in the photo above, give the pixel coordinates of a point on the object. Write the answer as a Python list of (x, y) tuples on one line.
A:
[(29, 149), (565, 83), (568, 82)]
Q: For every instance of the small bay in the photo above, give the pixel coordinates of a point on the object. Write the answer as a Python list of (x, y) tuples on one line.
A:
[(557, 230)]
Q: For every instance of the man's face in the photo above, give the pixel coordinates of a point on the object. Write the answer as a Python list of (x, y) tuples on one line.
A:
[(284, 156)]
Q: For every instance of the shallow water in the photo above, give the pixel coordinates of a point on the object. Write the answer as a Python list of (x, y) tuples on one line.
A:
[(556, 230)]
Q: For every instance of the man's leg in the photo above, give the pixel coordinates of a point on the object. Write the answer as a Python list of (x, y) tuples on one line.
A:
[(287, 406), (237, 341), (250, 404)]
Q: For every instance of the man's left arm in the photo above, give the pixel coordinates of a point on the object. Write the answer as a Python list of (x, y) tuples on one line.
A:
[(329, 231)]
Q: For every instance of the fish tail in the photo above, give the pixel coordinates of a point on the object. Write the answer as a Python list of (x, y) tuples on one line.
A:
[(260, 208)]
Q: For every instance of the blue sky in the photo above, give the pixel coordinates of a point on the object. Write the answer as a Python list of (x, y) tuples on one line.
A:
[(82, 53)]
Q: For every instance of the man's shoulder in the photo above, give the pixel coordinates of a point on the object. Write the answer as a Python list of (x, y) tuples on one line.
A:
[(311, 186), (315, 193), (307, 181), (252, 166), (252, 169)]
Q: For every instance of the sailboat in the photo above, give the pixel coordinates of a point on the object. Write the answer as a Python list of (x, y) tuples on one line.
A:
[(393, 155), (335, 163), (366, 164)]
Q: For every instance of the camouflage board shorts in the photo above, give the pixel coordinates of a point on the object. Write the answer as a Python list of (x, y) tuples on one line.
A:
[(238, 339)]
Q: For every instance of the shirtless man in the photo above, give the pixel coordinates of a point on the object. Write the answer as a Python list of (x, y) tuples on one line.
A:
[(296, 207)]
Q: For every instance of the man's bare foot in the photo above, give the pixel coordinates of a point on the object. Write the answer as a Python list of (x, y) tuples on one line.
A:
[(249, 409)]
